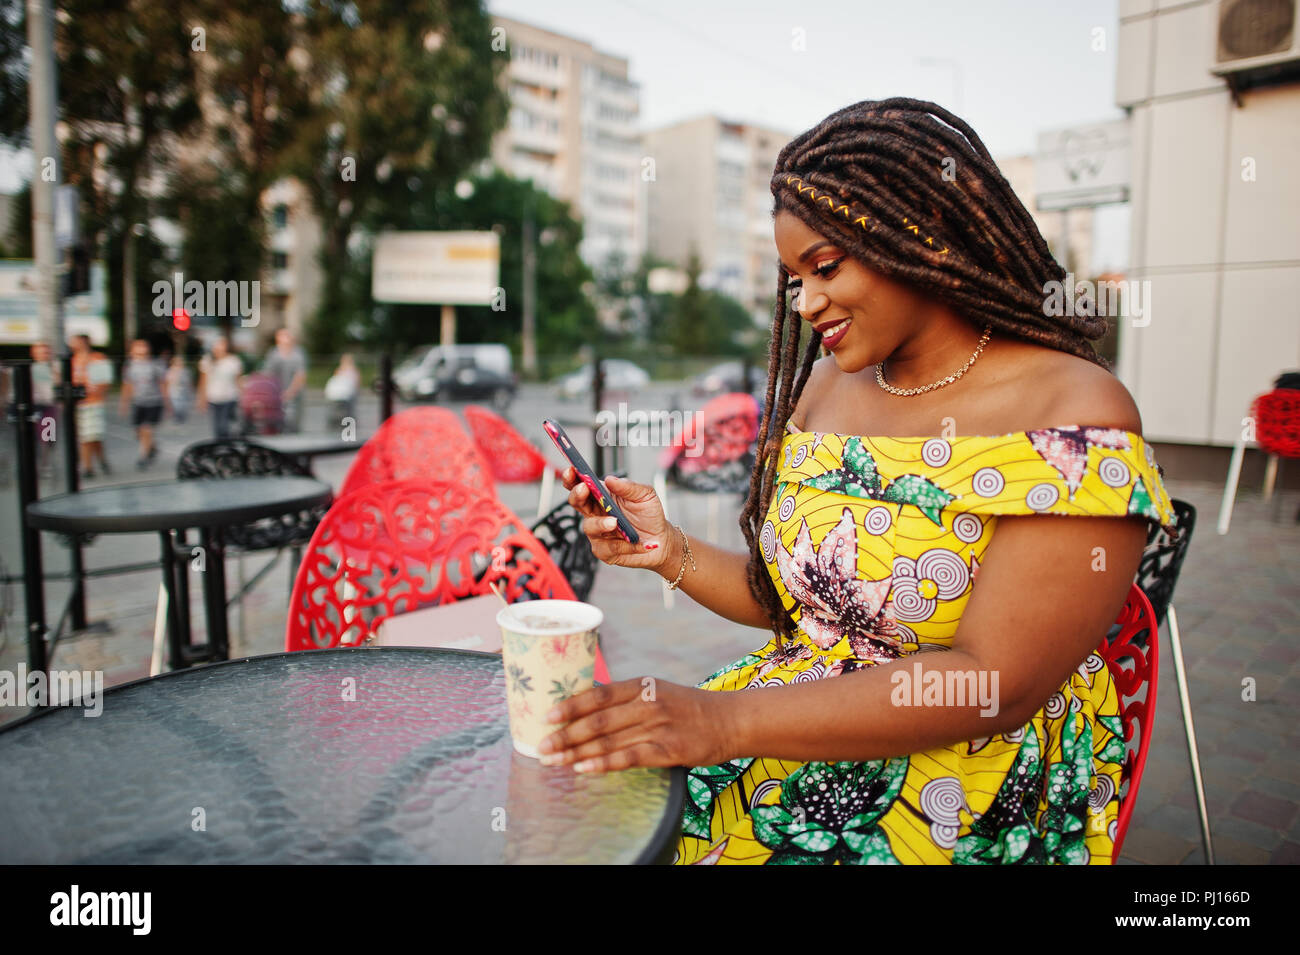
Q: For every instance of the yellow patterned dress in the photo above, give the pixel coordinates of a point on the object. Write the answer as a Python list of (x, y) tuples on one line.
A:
[(919, 513)]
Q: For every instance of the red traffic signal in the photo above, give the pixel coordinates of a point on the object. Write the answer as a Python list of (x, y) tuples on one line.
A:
[(181, 319)]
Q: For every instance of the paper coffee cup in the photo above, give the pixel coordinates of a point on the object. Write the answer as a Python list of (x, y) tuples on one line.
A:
[(548, 648)]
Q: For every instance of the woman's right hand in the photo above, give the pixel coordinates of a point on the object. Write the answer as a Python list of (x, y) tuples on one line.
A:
[(642, 507)]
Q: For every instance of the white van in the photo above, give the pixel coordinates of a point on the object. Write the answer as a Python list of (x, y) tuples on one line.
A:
[(458, 373)]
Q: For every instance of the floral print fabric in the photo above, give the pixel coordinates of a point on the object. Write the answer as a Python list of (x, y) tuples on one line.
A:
[(874, 544)]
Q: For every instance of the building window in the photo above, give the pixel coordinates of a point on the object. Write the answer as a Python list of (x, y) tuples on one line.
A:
[(279, 260), (280, 215)]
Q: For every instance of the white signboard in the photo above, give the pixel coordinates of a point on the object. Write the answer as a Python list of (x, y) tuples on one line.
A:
[(20, 322), (1082, 166), (436, 268)]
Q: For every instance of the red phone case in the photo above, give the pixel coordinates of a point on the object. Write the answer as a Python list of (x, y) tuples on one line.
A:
[(594, 484)]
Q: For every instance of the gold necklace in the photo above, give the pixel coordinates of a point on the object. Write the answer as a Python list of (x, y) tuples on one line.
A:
[(880, 374)]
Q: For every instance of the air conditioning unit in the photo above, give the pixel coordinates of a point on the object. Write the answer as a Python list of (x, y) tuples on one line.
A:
[(1257, 40)]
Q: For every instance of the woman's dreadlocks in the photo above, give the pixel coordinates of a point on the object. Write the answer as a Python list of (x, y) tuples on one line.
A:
[(909, 190)]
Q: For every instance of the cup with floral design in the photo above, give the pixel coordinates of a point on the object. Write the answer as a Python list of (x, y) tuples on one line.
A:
[(549, 651)]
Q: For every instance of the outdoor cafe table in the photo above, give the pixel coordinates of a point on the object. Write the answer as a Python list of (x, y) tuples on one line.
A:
[(349, 755), (171, 506), (304, 447)]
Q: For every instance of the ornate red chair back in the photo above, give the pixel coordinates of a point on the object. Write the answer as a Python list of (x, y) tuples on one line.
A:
[(1277, 422), (512, 457), (397, 546), (1131, 655), (419, 444)]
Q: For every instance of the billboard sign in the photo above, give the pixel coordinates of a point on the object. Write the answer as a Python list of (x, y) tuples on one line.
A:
[(436, 268), (20, 319), (1082, 166)]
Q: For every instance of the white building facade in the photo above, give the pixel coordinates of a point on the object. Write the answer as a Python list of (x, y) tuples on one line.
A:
[(573, 131), (1215, 209)]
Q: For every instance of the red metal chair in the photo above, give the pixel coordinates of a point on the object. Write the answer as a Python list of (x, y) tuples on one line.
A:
[(714, 454), (398, 546), (1131, 655), (1275, 418), (419, 444), (512, 457)]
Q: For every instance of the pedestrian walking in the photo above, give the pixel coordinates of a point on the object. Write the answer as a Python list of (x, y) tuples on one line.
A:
[(287, 364), (144, 390), (180, 389), (45, 377), (92, 371), (341, 390), (221, 377)]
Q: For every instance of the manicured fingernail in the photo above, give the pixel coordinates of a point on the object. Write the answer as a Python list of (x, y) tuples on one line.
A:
[(551, 759), (553, 716), (585, 766), (611, 523), (651, 545)]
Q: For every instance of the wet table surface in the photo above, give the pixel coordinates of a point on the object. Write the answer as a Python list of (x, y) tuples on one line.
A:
[(176, 505), (307, 445), (352, 755)]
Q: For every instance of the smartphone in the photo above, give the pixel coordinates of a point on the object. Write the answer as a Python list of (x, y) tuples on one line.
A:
[(594, 484)]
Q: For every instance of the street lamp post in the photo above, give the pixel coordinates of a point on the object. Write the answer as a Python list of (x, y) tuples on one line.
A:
[(42, 98)]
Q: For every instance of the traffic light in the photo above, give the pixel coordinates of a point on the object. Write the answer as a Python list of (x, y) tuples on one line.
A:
[(77, 277)]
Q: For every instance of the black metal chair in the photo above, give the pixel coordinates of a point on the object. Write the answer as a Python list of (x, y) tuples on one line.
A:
[(235, 457), (561, 531), (1162, 560), (222, 458)]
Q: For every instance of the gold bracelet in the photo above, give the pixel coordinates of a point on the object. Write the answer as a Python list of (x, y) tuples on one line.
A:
[(686, 552)]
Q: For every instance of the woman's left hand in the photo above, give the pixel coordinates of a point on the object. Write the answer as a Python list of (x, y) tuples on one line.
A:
[(641, 722)]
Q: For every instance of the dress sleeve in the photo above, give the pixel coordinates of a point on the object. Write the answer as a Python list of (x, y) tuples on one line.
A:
[(1082, 471)]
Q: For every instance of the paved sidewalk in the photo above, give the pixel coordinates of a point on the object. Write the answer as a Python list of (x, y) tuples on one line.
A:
[(1238, 603)]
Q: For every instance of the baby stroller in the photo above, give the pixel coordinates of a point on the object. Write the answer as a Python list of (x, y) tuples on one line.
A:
[(260, 409)]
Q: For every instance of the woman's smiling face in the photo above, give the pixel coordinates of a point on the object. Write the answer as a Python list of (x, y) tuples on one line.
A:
[(862, 315)]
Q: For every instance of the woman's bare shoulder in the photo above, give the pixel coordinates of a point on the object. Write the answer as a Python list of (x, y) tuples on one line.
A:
[(1085, 393)]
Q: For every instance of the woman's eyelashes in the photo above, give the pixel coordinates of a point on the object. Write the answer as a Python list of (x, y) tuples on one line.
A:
[(825, 270)]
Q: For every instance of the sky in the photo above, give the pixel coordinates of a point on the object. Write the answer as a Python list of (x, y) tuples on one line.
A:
[(1010, 68), (1021, 65)]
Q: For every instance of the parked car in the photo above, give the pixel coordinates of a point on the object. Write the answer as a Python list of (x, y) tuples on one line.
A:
[(620, 375), (729, 378), (458, 373)]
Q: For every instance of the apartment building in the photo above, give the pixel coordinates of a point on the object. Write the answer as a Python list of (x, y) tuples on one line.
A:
[(573, 130), (710, 191), (291, 281), (1212, 90)]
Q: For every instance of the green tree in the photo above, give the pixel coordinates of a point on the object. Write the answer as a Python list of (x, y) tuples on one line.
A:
[(125, 85), (20, 225), (253, 92), (704, 321), (405, 99), (565, 315), (625, 289)]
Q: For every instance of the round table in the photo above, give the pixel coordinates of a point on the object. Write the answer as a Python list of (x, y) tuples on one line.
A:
[(170, 506), (304, 447), (348, 755)]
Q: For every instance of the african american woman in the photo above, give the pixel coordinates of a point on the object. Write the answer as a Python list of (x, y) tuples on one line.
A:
[(916, 547)]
